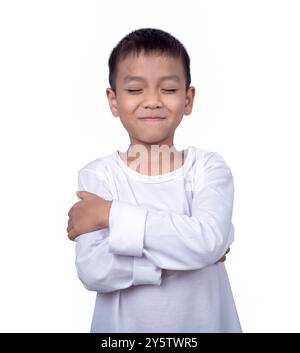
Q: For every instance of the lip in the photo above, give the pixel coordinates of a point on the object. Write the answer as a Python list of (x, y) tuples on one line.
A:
[(152, 118)]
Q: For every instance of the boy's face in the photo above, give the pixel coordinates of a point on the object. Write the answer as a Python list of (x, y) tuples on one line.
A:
[(145, 88)]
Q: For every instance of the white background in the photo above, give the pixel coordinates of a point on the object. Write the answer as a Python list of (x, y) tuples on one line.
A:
[(55, 118)]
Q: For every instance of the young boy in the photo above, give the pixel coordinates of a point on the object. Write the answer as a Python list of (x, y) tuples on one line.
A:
[(152, 233)]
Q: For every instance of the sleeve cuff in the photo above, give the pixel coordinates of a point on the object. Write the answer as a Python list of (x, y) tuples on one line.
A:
[(145, 272), (126, 229)]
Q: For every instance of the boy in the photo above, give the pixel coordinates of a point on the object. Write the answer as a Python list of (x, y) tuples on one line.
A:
[(151, 232)]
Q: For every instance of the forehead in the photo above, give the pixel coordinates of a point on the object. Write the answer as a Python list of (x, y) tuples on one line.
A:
[(143, 67)]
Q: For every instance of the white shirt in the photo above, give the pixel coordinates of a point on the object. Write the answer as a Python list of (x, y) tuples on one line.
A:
[(154, 268)]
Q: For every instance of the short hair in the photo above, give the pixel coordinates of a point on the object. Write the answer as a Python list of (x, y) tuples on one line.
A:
[(148, 40)]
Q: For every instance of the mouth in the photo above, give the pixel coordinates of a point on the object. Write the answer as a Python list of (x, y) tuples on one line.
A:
[(152, 118)]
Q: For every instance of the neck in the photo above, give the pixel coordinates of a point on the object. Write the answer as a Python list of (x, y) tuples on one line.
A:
[(151, 159)]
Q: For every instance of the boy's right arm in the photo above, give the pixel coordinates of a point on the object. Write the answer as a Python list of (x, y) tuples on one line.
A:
[(99, 269)]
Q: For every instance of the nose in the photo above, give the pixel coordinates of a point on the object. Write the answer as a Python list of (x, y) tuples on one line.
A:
[(152, 100)]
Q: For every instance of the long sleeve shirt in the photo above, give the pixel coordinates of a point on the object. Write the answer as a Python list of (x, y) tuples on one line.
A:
[(155, 267)]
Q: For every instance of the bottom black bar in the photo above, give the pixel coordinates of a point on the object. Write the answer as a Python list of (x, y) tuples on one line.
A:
[(133, 342)]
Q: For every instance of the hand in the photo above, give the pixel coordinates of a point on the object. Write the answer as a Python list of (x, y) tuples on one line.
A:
[(90, 213), (223, 258)]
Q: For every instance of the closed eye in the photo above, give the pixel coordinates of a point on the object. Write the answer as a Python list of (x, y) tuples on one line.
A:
[(133, 90), (139, 90), (170, 90)]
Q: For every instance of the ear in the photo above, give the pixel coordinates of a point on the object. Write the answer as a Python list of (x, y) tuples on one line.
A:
[(112, 100), (189, 100)]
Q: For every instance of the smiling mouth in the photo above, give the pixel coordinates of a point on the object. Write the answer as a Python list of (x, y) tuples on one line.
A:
[(152, 119)]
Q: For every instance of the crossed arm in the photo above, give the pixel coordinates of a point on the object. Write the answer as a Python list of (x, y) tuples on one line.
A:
[(91, 213), (98, 268), (120, 245)]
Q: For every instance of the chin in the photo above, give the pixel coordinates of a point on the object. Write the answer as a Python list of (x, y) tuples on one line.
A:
[(153, 140)]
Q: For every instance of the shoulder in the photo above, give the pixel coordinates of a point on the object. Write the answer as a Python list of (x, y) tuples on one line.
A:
[(99, 164), (208, 167), (94, 176), (204, 158)]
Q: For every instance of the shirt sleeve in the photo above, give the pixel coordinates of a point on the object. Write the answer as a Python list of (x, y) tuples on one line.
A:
[(175, 241), (99, 269)]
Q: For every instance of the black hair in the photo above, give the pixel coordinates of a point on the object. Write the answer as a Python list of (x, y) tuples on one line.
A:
[(148, 40)]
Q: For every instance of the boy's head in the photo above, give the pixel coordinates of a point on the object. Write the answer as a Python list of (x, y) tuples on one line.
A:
[(148, 41), (149, 75)]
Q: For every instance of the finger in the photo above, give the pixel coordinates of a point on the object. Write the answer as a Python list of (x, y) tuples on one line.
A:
[(79, 194), (222, 259), (86, 194), (83, 194), (71, 234), (74, 232), (72, 208), (69, 224)]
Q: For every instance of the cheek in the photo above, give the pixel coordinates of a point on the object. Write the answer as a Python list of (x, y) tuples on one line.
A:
[(175, 104), (127, 112), (177, 109), (128, 104)]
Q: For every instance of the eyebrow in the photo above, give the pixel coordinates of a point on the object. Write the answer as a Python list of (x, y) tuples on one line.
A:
[(129, 78)]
